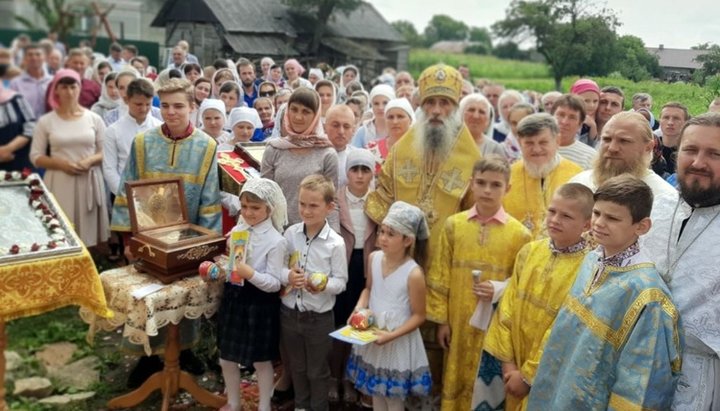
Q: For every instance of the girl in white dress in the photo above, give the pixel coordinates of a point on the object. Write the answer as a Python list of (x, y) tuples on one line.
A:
[(395, 366)]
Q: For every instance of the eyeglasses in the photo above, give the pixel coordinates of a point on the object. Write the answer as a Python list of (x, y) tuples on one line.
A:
[(267, 93)]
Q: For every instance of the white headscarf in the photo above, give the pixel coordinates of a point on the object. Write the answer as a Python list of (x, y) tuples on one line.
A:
[(271, 193), (404, 105), (244, 114), (407, 220), (215, 104)]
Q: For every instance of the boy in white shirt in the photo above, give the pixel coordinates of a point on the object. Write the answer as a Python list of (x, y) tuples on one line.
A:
[(120, 135), (118, 140), (306, 314)]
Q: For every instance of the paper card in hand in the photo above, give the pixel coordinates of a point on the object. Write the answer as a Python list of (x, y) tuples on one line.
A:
[(238, 254)]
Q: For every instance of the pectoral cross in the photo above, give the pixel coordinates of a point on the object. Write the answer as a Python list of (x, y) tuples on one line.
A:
[(408, 171), (452, 179)]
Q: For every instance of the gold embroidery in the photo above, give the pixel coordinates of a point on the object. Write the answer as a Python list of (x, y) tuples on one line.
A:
[(140, 154), (213, 209), (599, 328), (408, 171), (198, 179), (618, 402), (619, 337), (452, 179), (121, 201)]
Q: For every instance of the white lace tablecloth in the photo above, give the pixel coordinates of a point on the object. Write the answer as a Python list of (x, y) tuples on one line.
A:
[(141, 318)]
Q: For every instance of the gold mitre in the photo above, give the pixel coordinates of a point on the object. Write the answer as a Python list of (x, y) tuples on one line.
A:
[(440, 80)]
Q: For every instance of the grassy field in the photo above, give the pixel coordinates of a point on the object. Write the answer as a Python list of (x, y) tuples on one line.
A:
[(522, 75)]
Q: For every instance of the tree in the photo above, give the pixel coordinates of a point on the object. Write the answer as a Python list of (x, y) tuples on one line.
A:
[(56, 14), (710, 62), (443, 27), (480, 36), (510, 50), (409, 33), (319, 13), (634, 61), (571, 37)]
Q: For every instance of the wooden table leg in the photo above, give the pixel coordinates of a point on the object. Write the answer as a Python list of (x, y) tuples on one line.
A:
[(3, 344), (169, 380)]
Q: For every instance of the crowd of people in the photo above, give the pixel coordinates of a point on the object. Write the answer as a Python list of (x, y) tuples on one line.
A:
[(518, 250)]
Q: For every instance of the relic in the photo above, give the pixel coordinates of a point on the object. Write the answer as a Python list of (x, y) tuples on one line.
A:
[(167, 245), (236, 166), (31, 223)]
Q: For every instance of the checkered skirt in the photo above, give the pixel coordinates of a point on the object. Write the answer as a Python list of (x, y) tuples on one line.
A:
[(247, 332)]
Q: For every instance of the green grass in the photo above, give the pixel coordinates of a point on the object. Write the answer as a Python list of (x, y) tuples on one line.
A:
[(522, 75), (480, 66)]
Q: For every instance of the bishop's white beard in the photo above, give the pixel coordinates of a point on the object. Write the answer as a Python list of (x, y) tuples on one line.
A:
[(436, 139)]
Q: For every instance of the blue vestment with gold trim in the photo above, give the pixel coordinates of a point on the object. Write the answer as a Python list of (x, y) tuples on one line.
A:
[(615, 344), (154, 155)]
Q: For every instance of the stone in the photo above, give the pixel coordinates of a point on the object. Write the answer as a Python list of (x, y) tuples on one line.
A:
[(13, 361), (36, 387), (79, 375), (67, 399), (57, 354)]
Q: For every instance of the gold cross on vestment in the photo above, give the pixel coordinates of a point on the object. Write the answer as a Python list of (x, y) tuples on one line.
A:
[(408, 171), (452, 179)]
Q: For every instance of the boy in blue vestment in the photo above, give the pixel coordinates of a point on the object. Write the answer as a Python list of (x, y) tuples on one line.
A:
[(616, 342)]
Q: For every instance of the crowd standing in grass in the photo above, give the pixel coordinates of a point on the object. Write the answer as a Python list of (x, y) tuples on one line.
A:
[(518, 250)]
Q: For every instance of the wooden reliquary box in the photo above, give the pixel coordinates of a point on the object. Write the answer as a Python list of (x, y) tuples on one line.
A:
[(166, 244)]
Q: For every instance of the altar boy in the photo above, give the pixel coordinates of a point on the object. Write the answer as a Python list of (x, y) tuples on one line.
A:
[(175, 149), (616, 342)]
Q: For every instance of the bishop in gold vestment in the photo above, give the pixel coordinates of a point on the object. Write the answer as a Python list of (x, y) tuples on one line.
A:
[(466, 244), (541, 279)]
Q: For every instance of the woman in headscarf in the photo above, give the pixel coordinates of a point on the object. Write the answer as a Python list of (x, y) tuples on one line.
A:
[(109, 97), (507, 99), (299, 148), (328, 96), (100, 69), (375, 128), (16, 128), (201, 91), (266, 110), (68, 143), (265, 64), (399, 117), (477, 115), (293, 71), (315, 75)]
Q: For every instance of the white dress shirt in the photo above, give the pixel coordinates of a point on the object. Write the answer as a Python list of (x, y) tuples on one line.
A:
[(265, 254), (323, 253)]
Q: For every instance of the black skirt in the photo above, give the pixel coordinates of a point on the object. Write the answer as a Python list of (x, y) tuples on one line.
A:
[(346, 301), (247, 332)]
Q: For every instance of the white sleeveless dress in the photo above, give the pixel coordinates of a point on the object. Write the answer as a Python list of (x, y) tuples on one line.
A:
[(399, 368)]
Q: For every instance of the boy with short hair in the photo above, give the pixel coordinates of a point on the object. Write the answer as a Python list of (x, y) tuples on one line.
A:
[(120, 135), (174, 149), (483, 238), (544, 271), (616, 342), (306, 314)]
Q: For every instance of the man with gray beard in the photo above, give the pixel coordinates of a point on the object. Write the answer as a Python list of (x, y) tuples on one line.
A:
[(688, 259), (430, 166)]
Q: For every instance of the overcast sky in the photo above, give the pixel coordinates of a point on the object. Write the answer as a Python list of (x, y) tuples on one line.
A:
[(673, 23)]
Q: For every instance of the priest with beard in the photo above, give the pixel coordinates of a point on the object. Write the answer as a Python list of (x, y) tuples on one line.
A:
[(430, 167), (626, 146), (688, 260), (542, 170)]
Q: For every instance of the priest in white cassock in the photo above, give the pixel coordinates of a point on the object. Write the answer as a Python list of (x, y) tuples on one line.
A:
[(690, 261)]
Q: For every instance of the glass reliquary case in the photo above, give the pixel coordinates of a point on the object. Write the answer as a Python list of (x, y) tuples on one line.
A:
[(166, 244), (32, 225)]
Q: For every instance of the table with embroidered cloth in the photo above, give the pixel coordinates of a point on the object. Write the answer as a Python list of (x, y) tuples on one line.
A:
[(36, 286), (141, 317)]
